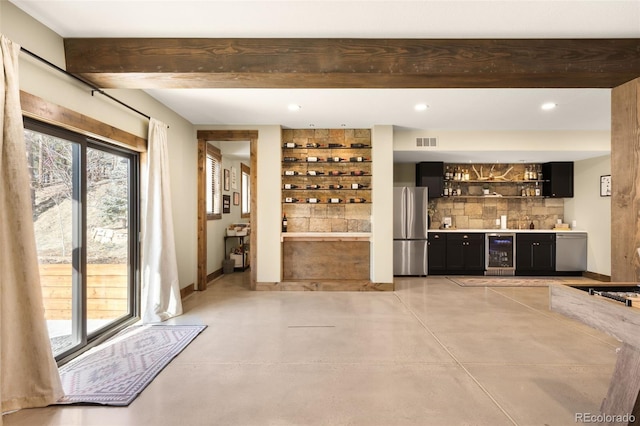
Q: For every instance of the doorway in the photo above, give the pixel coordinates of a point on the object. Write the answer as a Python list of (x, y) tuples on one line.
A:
[(225, 135)]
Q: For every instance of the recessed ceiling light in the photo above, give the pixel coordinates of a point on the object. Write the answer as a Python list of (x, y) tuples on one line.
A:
[(549, 106), (421, 107), (294, 107)]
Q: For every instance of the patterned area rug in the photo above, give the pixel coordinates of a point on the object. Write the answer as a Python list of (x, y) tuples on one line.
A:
[(115, 372), (516, 281)]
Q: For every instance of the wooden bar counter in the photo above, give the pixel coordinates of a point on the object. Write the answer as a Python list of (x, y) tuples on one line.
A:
[(326, 261)]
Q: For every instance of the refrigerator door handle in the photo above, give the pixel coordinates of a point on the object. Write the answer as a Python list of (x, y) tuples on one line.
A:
[(425, 213)]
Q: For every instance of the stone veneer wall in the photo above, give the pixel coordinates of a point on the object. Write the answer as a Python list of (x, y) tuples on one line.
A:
[(328, 217), (481, 213)]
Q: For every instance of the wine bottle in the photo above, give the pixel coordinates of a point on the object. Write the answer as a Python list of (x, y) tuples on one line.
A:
[(291, 200), (290, 145), (357, 186), (289, 159), (335, 145), (313, 145), (334, 186), (358, 173), (314, 173), (290, 186), (359, 145), (284, 223), (312, 200), (357, 200), (357, 159), (336, 173), (334, 200), (290, 173), (312, 159), (313, 187)]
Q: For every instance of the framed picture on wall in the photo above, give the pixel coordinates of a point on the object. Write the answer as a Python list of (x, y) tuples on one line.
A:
[(234, 178), (226, 204), (226, 179), (236, 198), (605, 186)]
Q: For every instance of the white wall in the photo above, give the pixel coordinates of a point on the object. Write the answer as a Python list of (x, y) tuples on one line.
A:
[(592, 212), (381, 209), (502, 142), (53, 86), (404, 174)]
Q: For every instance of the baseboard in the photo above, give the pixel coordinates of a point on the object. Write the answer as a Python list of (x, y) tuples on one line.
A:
[(325, 285), (212, 276), (596, 276), (186, 291)]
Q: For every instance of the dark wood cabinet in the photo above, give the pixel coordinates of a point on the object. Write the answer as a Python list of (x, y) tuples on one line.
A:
[(535, 254), (431, 175), (465, 253), (558, 176), (437, 253)]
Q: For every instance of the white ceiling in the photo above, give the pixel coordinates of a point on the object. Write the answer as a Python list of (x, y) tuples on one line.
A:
[(451, 109)]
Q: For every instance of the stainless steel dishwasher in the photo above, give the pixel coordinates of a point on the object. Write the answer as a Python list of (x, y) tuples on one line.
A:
[(571, 251)]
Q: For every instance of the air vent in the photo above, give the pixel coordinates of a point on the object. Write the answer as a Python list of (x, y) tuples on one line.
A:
[(427, 142)]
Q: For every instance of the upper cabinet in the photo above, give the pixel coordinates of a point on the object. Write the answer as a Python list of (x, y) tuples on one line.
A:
[(431, 175), (559, 179), (554, 179)]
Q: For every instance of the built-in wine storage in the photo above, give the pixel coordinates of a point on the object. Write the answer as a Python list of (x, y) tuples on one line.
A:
[(326, 180)]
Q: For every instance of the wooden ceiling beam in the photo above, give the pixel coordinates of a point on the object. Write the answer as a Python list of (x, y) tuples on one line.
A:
[(353, 63)]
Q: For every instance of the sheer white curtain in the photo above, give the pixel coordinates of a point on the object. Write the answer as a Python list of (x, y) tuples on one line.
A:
[(160, 285), (28, 372)]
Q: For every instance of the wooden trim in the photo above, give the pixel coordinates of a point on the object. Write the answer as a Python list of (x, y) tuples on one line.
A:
[(353, 63), (325, 285), (186, 291), (212, 276), (45, 111), (201, 279), (226, 135), (596, 276)]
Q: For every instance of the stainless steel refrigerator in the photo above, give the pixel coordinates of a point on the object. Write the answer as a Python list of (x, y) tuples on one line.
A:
[(410, 225)]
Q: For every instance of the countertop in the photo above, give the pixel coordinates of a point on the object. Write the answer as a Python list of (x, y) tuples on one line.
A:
[(326, 236), (487, 231)]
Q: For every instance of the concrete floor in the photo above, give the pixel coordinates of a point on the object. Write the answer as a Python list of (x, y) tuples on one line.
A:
[(430, 353)]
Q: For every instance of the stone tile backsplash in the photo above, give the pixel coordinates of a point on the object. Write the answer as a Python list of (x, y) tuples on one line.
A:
[(481, 213)]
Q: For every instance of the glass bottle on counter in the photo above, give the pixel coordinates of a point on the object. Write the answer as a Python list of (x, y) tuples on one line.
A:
[(284, 222)]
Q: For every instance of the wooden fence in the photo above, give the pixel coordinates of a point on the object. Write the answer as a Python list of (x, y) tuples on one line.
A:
[(107, 291)]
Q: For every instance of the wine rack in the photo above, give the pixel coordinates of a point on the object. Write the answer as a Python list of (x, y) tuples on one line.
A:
[(326, 173)]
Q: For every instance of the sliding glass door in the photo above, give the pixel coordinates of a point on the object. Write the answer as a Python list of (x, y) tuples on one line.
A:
[(84, 196)]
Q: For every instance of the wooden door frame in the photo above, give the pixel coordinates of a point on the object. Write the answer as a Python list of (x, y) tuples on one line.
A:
[(226, 135)]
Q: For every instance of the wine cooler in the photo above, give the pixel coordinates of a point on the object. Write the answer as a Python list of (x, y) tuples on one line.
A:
[(501, 254)]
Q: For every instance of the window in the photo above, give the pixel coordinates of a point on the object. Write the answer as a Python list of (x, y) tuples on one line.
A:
[(214, 168), (85, 211), (246, 190)]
